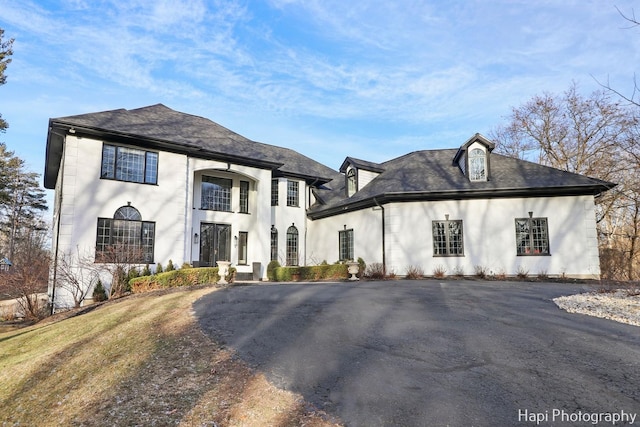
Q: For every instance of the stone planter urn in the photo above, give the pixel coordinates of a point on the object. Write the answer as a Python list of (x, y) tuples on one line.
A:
[(223, 271), (353, 268)]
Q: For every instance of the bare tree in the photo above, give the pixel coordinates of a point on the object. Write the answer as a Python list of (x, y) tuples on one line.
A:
[(635, 92), (118, 260), (593, 136), (28, 278), (77, 274)]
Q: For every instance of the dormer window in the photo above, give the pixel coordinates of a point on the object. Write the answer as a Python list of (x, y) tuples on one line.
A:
[(358, 174), (352, 182), (473, 158), (477, 165)]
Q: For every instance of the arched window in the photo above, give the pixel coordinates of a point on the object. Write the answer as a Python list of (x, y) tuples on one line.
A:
[(274, 244), (125, 238), (292, 245), (128, 213), (352, 183), (477, 165)]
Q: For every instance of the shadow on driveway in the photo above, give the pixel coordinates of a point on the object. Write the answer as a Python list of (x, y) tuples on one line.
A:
[(430, 353)]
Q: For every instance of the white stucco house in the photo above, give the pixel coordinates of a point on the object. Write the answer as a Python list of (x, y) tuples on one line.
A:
[(181, 187)]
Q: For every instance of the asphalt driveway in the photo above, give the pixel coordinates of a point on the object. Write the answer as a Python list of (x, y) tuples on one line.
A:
[(434, 353)]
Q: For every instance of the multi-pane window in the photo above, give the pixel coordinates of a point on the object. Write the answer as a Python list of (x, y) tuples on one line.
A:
[(532, 236), (352, 183), (125, 238), (477, 165), (216, 194), (345, 245), (274, 192), (274, 244), (243, 236), (292, 246), (244, 196), (447, 238), (292, 193), (129, 164)]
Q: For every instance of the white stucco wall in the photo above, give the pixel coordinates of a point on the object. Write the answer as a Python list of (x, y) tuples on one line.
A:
[(488, 233), (85, 197), (283, 217), (367, 236), (256, 222)]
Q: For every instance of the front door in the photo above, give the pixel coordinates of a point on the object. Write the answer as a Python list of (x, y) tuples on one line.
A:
[(215, 243)]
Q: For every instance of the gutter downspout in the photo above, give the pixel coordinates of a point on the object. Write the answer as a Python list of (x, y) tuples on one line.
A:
[(57, 236), (384, 260)]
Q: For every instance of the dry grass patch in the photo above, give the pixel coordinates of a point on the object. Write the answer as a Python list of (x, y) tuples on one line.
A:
[(137, 361)]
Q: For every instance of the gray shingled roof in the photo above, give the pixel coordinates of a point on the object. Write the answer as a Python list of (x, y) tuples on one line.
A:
[(431, 175), (185, 132), (421, 175)]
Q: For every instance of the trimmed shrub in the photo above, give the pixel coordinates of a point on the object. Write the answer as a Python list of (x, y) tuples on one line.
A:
[(271, 269), (311, 273), (159, 268), (185, 265), (170, 266), (177, 278)]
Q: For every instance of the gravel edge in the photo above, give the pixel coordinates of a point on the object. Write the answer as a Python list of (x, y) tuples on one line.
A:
[(619, 305)]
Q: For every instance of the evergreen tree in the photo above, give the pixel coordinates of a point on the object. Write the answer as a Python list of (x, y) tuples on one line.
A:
[(5, 52), (21, 200)]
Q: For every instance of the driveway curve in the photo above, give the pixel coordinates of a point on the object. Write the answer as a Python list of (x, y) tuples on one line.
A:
[(433, 353)]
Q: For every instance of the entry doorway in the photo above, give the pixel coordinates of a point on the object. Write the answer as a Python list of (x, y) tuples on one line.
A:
[(215, 243)]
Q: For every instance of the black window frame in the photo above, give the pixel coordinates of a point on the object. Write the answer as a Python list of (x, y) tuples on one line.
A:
[(452, 245), (532, 236), (221, 202), (274, 244), (243, 247), (274, 192), (112, 247), (293, 193), (345, 245), (110, 163), (244, 196), (293, 256)]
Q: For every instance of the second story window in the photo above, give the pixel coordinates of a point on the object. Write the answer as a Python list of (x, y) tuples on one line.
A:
[(244, 196), (477, 165), (274, 192), (352, 183), (216, 194), (129, 164), (292, 193)]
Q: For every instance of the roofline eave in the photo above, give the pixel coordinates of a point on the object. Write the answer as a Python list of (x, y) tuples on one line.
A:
[(428, 196)]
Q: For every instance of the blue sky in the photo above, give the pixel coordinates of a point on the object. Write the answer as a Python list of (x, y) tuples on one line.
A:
[(368, 79)]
